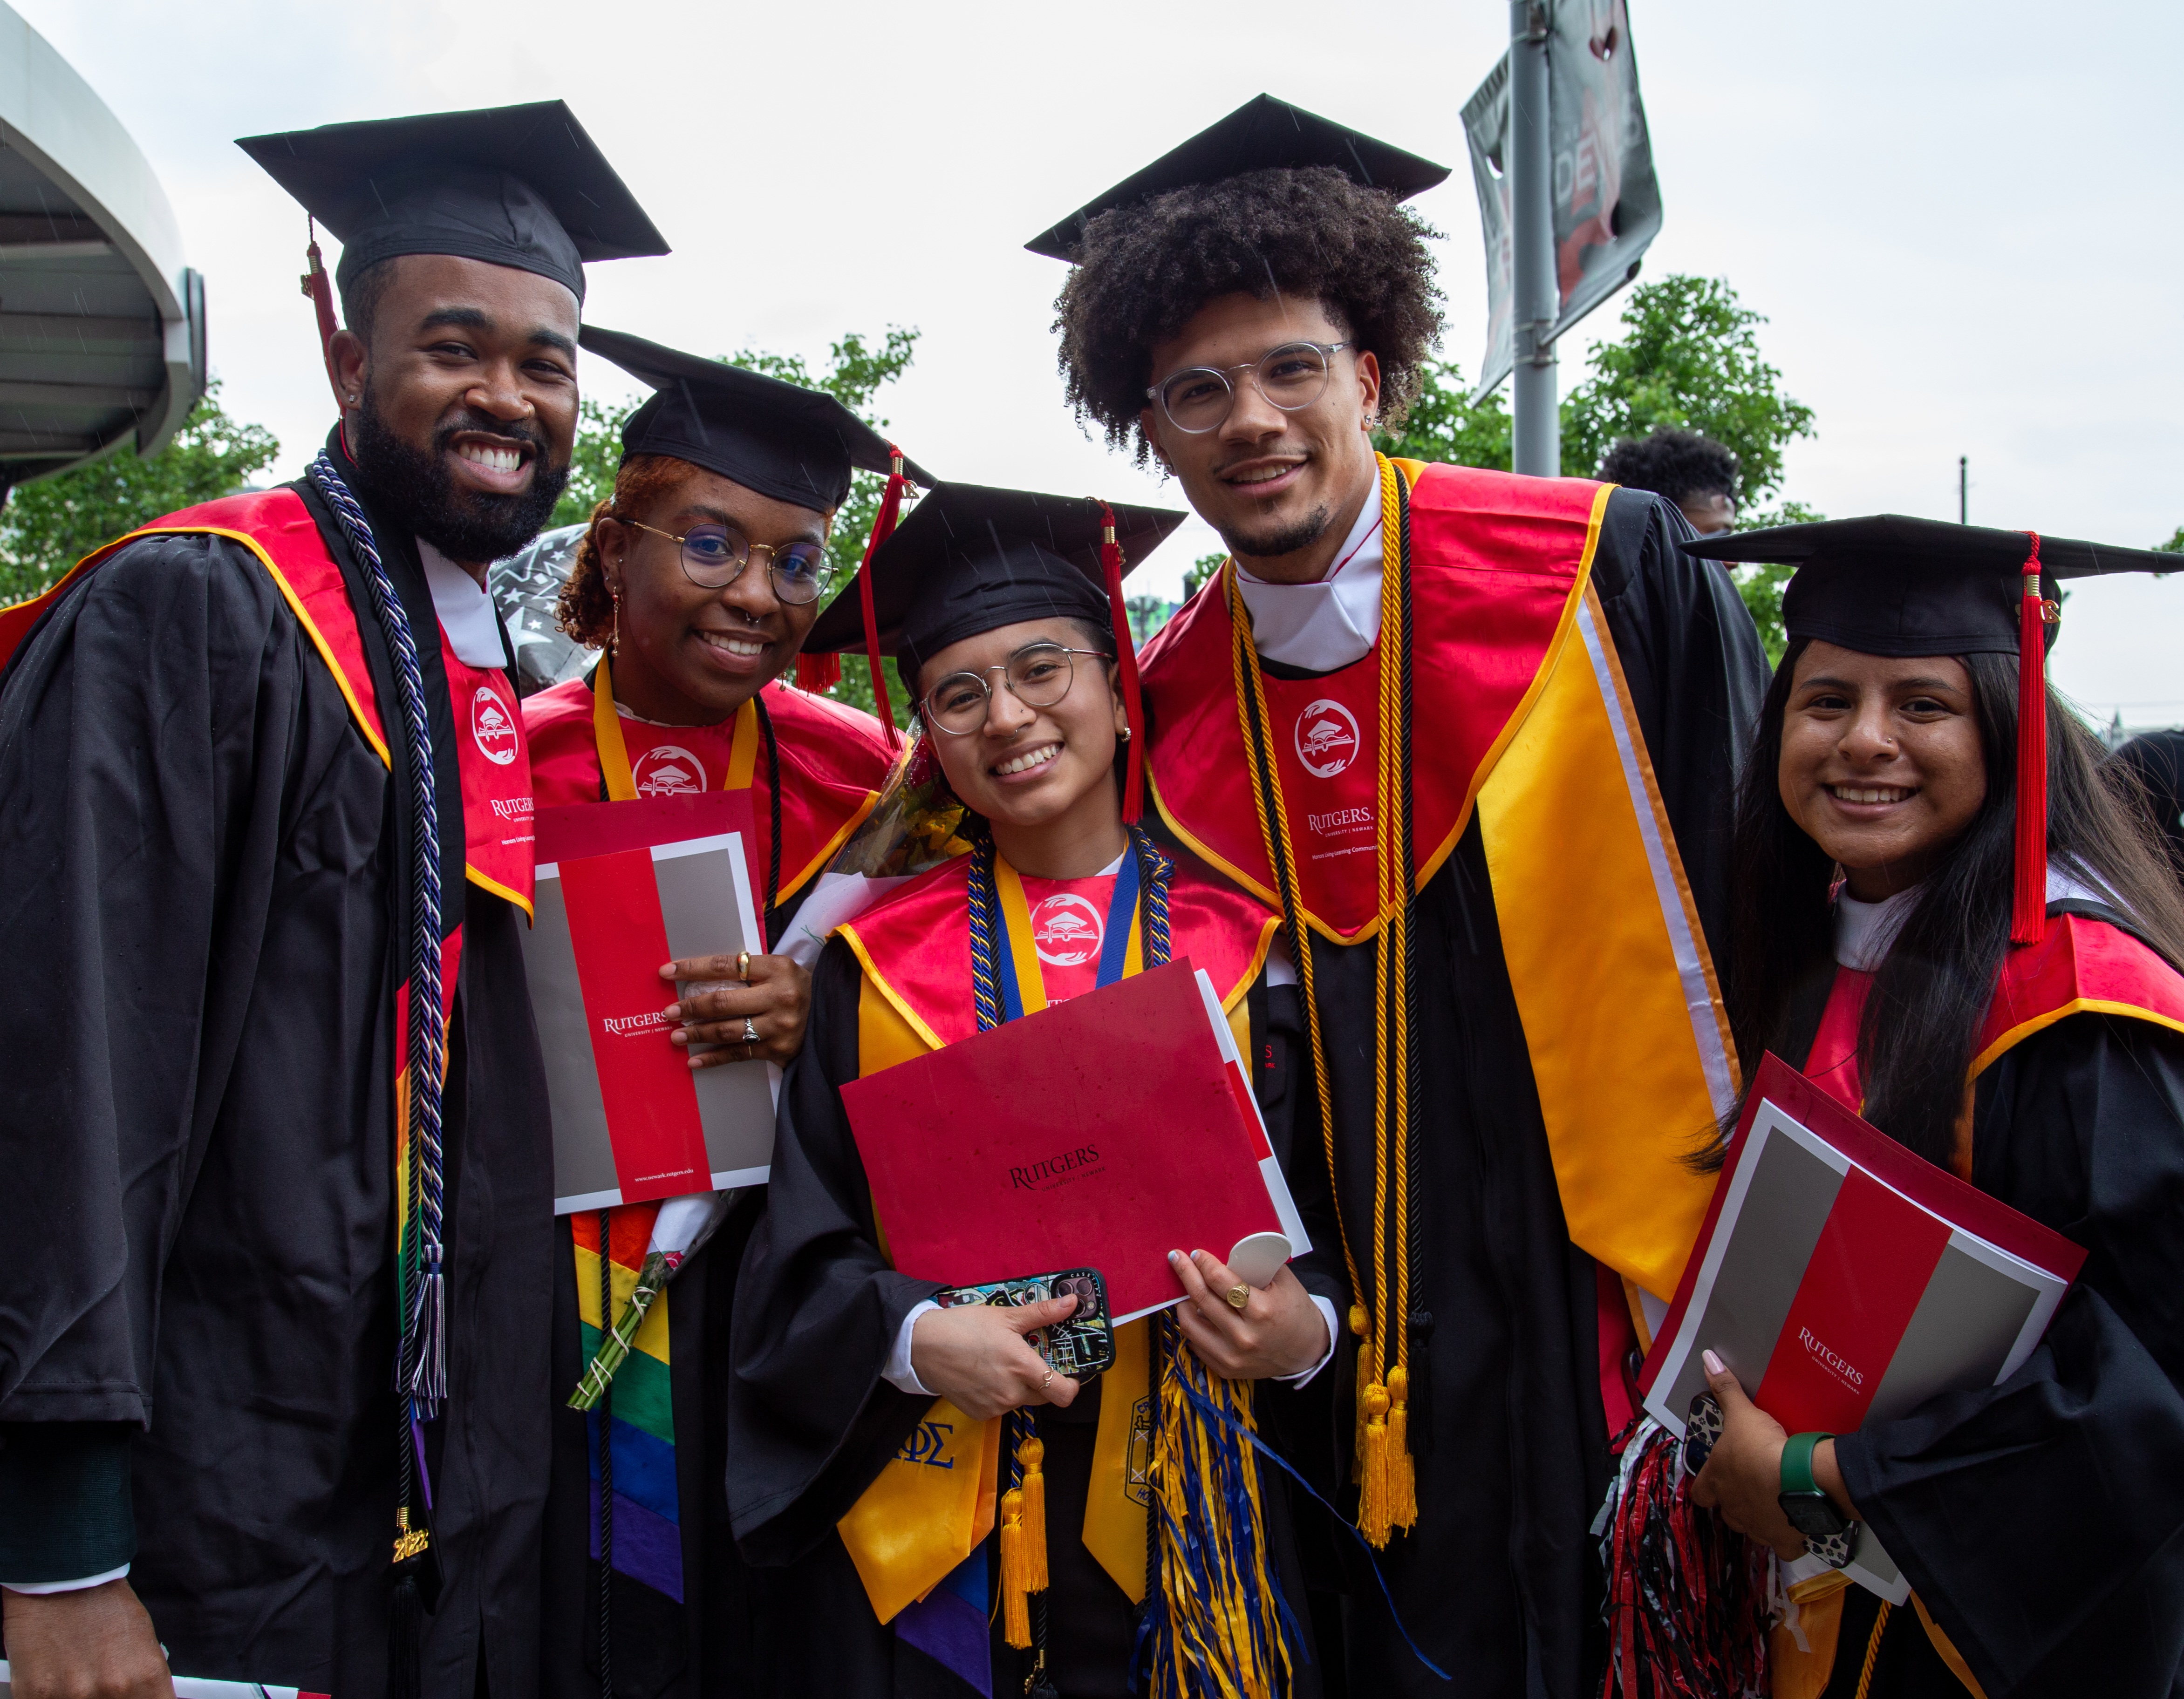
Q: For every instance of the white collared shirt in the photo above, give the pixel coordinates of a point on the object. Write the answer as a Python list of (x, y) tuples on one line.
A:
[(1328, 624), (465, 610)]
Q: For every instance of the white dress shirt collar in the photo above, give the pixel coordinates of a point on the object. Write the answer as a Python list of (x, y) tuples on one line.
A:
[(1325, 625)]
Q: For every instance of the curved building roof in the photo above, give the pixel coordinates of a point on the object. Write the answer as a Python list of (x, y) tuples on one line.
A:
[(102, 325)]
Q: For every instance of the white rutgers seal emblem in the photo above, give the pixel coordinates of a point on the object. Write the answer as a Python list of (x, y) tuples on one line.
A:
[(1326, 738), (665, 770), (1066, 930), (493, 726)]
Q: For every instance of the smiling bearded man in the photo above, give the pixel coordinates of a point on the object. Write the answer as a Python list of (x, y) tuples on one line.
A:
[(1475, 735), (273, 1322)]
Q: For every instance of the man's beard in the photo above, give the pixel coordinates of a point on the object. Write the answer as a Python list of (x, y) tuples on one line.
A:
[(1300, 533), (414, 489)]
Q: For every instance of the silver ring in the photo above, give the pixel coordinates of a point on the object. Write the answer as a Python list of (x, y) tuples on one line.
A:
[(1046, 1380), (750, 1032)]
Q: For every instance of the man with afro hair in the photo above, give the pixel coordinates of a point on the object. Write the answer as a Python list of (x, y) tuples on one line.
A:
[(1474, 735), (1694, 471)]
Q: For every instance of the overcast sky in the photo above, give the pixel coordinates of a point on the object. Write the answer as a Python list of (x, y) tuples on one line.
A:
[(1961, 220)]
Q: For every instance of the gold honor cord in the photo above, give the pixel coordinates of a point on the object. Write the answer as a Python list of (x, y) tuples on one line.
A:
[(1387, 1485)]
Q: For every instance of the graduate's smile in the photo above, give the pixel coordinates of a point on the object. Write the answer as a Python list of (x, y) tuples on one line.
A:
[(736, 653), (497, 465), (1027, 765), (1265, 477)]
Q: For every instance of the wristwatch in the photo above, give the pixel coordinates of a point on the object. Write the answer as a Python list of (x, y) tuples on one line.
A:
[(1811, 1512)]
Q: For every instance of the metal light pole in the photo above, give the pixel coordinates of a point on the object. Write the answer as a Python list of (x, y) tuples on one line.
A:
[(1963, 489), (1536, 433)]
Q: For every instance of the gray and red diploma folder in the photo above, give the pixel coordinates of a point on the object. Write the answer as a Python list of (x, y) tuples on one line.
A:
[(623, 887), (1845, 1280)]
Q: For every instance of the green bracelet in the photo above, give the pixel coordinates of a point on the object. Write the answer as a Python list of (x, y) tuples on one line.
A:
[(1797, 1462)]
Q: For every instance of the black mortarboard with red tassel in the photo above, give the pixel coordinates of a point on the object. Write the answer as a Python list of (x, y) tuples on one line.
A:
[(1889, 585), (970, 559)]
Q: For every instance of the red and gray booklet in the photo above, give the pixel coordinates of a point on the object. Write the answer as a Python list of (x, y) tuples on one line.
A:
[(622, 888), (1845, 1280), (1102, 1132)]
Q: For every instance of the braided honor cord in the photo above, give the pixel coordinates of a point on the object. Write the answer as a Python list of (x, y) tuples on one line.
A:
[(422, 1363)]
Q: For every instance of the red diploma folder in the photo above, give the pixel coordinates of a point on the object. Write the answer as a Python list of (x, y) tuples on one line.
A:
[(622, 888), (1103, 1132), (1845, 1280)]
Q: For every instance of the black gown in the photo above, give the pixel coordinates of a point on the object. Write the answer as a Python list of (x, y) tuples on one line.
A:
[(1499, 1582), (2041, 1521), (812, 1421), (201, 873)]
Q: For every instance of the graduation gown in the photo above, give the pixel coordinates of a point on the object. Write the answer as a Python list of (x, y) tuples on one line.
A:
[(812, 1421), (680, 1618), (1565, 653), (2040, 1520), (205, 865)]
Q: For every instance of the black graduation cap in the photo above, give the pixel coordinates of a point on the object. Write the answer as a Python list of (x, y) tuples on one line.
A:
[(515, 186), (1263, 134), (970, 559), (793, 444), (1890, 584)]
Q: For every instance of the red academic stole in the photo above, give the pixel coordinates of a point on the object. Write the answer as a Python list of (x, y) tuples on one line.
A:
[(1520, 714), (832, 760), (278, 529), (916, 945), (2080, 966)]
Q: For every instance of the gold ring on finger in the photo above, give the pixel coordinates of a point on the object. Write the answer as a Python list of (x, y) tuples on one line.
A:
[(743, 966), (1237, 1295)]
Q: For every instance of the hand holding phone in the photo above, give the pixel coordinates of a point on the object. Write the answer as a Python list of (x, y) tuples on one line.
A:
[(1081, 1344)]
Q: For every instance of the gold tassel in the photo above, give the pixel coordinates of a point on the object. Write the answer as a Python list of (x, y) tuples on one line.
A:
[(1372, 1494), (1402, 1475), (1031, 1454), (1016, 1580)]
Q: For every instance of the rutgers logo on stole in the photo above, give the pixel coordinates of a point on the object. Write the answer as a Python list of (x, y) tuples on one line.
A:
[(493, 726), (1326, 738), (667, 769), (1066, 930)]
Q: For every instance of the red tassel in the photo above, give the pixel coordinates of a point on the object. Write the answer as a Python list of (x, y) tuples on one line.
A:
[(2028, 919), (1126, 654), (320, 287), (817, 673), (883, 528)]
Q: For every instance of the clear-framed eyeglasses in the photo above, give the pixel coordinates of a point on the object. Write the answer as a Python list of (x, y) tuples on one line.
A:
[(1038, 675), (1291, 377), (714, 557)]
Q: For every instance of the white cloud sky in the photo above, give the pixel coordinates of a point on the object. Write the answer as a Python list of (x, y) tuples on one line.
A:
[(1959, 219)]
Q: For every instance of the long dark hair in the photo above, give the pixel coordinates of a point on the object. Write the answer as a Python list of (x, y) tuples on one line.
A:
[(1931, 996)]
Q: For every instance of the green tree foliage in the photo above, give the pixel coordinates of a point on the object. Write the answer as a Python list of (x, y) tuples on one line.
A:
[(1199, 571), (49, 525), (856, 370), (1689, 358), (1445, 425), (2175, 545)]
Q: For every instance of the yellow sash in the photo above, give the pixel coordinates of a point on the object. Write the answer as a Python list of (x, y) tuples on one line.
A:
[(929, 1509), (614, 751)]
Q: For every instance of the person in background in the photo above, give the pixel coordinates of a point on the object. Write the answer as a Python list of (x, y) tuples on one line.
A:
[(1996, 987), (696, 583), (1694, 472), (274, 1313), (2156, 760), (851, 1390), (1475, 735)]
